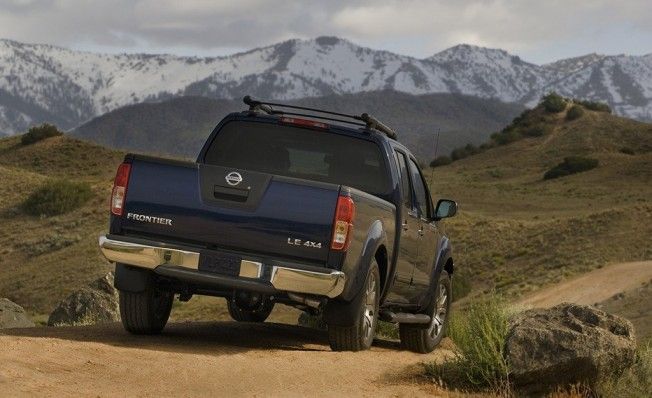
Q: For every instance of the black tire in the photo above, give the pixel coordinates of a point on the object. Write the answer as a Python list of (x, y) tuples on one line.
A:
[(422, 339), (243, 314), (360, 336), (145, 312)]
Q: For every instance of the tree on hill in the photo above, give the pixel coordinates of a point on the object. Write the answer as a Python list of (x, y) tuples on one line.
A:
[(553, 103)]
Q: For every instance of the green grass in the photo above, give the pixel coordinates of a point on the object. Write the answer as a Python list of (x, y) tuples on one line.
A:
[(479, 334)]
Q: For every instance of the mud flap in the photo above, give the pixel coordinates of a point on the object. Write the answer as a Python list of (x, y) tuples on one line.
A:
[(131, 279)]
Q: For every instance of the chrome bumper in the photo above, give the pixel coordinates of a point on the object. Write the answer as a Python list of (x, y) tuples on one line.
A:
[(329, 284)]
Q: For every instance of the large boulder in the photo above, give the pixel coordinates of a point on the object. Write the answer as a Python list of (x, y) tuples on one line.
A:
[(13, 315), (96, 303), (567, 344)]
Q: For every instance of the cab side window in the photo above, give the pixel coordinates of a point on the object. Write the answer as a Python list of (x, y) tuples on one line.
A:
[(405, 180), (420, 191)]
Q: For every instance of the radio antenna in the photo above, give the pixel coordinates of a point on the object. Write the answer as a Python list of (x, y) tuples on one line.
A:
[(432, 172)]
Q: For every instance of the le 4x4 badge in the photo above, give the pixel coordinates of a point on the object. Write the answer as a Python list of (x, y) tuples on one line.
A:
[(306, 243)]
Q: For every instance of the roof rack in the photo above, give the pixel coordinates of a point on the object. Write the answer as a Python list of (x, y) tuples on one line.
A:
[(369, 121)]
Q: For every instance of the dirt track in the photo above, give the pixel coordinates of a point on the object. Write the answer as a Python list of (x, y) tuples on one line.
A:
[(205, 359), (593, 287)]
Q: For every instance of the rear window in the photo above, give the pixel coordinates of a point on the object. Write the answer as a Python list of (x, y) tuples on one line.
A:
[(301, 153)]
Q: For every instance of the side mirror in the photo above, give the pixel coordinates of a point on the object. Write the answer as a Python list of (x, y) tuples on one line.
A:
[(445, 208)]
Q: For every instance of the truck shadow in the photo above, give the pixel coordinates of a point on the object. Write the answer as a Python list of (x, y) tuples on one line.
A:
[(218, 338)]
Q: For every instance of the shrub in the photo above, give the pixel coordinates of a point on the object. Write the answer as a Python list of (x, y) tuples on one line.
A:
[(575, 112), (479, 334), (571, 165), (594, 106), (441, 161), (471, 149), (634, 382), (38, 133), (47, 244), (459, 153), (627, 151), (535, 131), (553, 103), (506, 136), (57, 197)]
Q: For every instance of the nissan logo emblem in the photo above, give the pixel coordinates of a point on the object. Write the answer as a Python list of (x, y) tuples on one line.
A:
[(233, 178)]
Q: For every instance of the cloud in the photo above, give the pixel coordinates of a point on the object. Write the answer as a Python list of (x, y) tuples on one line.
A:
[(539, 30)]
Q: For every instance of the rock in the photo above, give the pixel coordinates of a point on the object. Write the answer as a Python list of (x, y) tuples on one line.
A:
[(95, 303), (13, 315), (567, 344)]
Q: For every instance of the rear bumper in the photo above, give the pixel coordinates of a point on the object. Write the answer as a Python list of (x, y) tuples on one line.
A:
[(183, 264)]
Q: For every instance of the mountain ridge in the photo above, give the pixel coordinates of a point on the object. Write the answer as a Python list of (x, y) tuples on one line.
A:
[(179, 126), (75, 86)]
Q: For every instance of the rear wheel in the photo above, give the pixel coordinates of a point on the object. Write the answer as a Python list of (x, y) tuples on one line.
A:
[(145, 312), (361, 334), (423, 340), (249, 308)]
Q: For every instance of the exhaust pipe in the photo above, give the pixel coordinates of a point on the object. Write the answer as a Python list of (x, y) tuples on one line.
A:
[(310, 302)]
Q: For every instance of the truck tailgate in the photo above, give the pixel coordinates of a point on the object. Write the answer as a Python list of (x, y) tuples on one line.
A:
[(263, 213)]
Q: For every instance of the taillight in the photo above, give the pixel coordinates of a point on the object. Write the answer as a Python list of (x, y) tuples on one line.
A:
[(120, 188), (303, 122), (343, 224)]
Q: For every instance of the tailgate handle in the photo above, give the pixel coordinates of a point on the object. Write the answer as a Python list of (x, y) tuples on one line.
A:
[(232, 194)]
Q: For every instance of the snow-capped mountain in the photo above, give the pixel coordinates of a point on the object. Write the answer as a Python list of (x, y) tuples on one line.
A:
[(47, 83)]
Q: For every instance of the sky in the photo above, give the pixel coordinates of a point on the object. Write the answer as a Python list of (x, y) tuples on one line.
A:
[(537, 31)]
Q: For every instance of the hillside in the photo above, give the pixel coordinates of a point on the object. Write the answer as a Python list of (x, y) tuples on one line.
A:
[(517, 232), (179, 126), (47, 83)]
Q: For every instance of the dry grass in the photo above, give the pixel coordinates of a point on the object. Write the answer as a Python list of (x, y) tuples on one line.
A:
[(514, 231), (517, 232)]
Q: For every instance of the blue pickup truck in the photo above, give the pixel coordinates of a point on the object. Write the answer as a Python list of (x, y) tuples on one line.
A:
[(319, 210)]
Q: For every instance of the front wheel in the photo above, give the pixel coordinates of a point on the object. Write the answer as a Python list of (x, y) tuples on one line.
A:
[(145, 312), (424, 340), (360, 336)]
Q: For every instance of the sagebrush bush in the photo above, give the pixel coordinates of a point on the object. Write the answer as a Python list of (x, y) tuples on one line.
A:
[(48, 244), (38, 133), (458, 154), (571, 165), (553, 103), (506, 136), (57, 197), (575, 112), (536, 131), (479, 333), (441, 161), (594, 106)]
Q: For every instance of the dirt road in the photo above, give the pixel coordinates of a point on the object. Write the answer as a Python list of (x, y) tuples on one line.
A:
[(203, 359), (593, 287)]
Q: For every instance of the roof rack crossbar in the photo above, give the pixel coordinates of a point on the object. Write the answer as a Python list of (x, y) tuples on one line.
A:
[(374, 123), (369, 121), (331, 119)]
